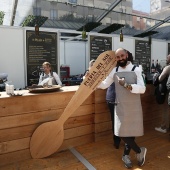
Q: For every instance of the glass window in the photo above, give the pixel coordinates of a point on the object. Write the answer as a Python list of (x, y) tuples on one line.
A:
[(108, 20), (37, 11), (107, 5), (53, 14), (138, 19), (72, 1), (90, 18)]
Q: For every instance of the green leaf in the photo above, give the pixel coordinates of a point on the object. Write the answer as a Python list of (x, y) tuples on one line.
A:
[(31, 20), (2, 14)]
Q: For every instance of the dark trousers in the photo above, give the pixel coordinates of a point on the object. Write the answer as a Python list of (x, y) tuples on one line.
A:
[(116, 139), (130, 144)]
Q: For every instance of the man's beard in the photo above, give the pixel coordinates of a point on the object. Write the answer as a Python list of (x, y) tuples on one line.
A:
[(122, 64)]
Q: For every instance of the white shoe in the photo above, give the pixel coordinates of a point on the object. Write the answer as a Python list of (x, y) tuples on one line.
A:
[(127, 161), (159, 129), (141, 156)]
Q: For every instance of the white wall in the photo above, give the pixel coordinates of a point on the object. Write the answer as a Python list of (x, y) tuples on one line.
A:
[(159, 50), (128, 43), (74, 54), (12, 55)]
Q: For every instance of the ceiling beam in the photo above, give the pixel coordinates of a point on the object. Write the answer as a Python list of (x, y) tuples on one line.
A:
[(156, 25), (14, 8), (111, 7)]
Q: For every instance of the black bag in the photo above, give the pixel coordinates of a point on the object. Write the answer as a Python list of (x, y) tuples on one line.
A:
[(155, 79), (169, 98), (161, 91)]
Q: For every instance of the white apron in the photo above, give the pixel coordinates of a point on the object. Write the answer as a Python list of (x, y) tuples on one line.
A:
[(128, 111)]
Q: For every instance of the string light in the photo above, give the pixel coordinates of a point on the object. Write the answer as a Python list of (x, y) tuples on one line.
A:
[(36, 29), (121, 36), (84, 33), (36, 25)]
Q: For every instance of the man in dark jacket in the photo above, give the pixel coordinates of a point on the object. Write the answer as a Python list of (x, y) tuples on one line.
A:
[(165, 115)]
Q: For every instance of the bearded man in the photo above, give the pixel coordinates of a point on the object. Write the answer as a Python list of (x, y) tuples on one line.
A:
[(128, 124)]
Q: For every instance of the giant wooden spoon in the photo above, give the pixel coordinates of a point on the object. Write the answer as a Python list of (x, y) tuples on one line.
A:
[(49, 136)]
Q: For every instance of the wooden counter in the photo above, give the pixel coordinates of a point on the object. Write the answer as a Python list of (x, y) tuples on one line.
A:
[(20, 116)]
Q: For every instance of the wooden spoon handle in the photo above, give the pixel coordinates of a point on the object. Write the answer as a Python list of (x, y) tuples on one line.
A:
[(103, 65)]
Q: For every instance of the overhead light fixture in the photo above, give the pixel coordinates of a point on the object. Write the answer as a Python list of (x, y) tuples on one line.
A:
[(36, 29), (146, 34), (89, 26), (121, 36), (111, 28), (84, 33)]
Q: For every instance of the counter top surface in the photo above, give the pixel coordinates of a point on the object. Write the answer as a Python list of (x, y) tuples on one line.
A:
[(27, 93)]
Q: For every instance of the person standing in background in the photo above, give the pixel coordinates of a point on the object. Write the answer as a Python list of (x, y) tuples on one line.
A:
[(49, 75), (164, 127), (90, 65)]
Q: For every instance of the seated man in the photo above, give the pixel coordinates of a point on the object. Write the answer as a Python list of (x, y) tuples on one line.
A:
[(49, 76)]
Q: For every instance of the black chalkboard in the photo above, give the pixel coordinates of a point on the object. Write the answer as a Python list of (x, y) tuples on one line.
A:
[(143, 54), (98, 45), (38, 50)]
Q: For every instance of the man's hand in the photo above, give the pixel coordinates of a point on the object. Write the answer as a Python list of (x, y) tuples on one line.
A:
[(121, 81)]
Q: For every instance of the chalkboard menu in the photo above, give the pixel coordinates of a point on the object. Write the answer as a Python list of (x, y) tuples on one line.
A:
[(98, 45), (168, 48), (38, 50), (143, 54)]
